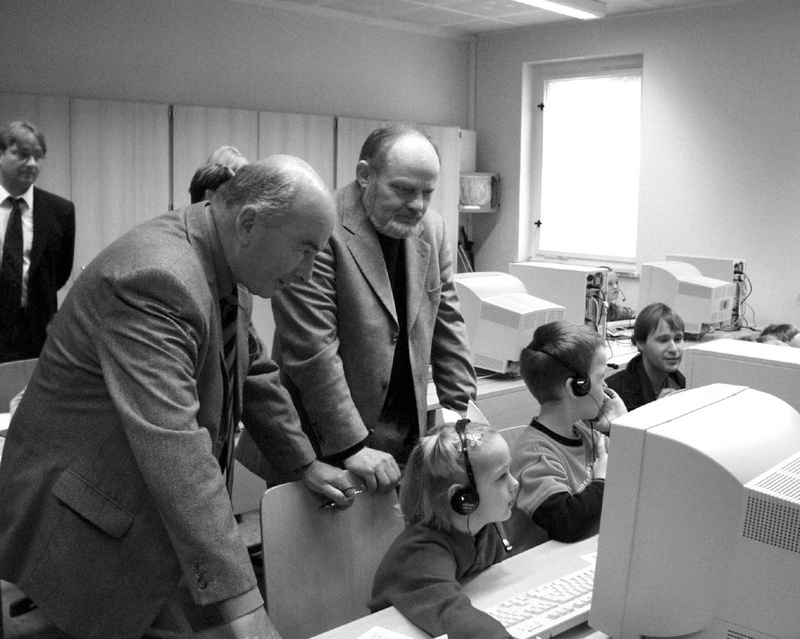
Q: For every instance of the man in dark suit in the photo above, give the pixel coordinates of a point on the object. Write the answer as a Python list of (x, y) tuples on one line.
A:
[(114, 515), (37, 241)]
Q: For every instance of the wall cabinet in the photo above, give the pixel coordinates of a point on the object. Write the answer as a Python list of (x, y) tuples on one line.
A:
[(120, 170), (197, 132), (122, 163)]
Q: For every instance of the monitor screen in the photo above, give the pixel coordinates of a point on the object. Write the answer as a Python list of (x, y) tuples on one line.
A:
[(700, 530), (500, 317), (702, 302)]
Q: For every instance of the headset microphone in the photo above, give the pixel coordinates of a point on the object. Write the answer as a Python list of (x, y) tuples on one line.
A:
[(503, 537)]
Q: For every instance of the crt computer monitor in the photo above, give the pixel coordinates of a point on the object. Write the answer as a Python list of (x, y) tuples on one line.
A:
[(500, 317), (721, 268), (702, 302), (581, 290), (766, 367), (700, 529)]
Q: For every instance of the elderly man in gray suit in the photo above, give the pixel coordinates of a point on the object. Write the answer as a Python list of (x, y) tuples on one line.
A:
[(355, 341), (114, 515)]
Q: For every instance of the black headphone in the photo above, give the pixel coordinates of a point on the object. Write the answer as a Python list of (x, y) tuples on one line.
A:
[(580, 384), (465, 500)]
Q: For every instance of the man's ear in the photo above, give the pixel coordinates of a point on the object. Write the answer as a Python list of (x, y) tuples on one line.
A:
[(245, 222), (363, 173)]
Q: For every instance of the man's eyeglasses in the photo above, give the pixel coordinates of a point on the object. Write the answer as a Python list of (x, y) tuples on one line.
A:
[(25, 155), (350, 492)]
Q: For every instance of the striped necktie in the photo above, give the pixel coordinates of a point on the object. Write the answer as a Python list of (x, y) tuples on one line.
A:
[(11, 267), (229, 309)]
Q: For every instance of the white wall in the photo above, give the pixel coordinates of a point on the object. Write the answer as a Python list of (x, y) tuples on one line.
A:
[(720, 172), (221, 53)]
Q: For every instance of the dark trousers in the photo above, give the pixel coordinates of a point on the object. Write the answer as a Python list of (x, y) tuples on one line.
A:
[(16, 340), (397, 429)]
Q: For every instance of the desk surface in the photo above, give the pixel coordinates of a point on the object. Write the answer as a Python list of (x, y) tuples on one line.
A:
[(513, 576)]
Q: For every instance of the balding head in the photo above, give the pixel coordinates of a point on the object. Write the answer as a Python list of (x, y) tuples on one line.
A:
[(398, 181), (269, 185), (273, 216)]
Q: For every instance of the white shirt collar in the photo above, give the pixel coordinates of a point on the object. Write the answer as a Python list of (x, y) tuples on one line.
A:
[(27, 196)]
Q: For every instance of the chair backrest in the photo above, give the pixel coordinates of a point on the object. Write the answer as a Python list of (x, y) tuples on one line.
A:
[(440, 415), (14, 377), (511, 434), (319, 564)]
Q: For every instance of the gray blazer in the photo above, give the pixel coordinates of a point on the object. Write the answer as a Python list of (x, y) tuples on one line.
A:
[(335, 334), (110, 485)]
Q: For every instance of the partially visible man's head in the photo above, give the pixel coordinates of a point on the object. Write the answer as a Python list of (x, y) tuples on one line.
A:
[(397, 171), (228, 156), (784, 333), (22, 149), (273, 217), (207, 179)]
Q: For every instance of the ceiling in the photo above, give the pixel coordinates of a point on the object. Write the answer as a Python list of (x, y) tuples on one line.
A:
[(459, 17)]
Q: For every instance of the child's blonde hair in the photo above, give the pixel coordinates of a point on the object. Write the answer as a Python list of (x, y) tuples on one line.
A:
[(435, 464)]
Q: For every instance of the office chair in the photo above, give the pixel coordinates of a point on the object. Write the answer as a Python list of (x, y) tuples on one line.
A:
[(14, 377), (319, 563), (511, 434)]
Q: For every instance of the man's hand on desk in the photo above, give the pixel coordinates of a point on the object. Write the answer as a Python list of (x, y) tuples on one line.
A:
[(378, 470)]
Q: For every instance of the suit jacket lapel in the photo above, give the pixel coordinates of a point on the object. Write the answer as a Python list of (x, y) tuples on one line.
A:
[(418, 253), (41, 230), (364, 246), (201, 233)]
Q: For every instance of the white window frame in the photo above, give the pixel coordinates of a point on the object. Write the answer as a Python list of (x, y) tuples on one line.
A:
[(535, 76)]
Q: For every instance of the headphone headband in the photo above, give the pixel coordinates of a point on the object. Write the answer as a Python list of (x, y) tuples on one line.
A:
[(465, 500), (461, 429), (581, 384)]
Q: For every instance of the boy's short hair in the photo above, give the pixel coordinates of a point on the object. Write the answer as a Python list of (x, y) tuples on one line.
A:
[(557, 352), (648, 319), (436, 463), (782, 332)]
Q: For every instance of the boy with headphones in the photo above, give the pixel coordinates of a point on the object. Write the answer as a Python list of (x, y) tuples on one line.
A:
[(560, 461), (456, 488)]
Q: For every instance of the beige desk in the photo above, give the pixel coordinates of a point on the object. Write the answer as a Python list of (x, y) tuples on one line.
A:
[(513, 576)]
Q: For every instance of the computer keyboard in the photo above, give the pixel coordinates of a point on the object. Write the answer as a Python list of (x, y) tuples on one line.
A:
[(548, 609)]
